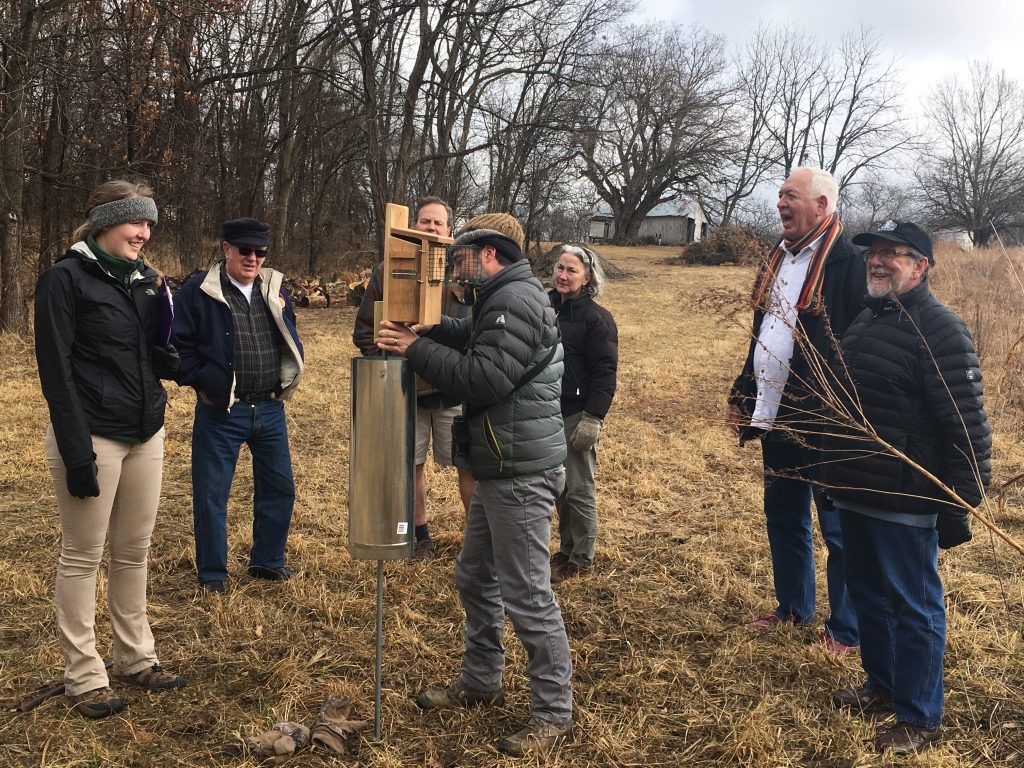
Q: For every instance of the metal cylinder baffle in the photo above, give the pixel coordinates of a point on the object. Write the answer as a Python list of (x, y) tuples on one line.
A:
[(381, 459), (381, 465)]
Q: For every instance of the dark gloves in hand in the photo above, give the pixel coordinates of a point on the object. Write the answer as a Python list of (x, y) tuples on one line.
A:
[(83, 481), (586, 434), (954, 527), (166, 362)]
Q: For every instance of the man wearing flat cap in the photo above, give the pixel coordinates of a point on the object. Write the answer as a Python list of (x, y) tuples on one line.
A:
[(234, 327), (912, 406), (504, 362)]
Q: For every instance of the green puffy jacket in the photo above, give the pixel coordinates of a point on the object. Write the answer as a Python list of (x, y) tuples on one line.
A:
[(481, 359)]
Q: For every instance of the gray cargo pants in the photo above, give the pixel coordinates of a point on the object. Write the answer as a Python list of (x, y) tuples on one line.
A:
[(504, 565), (577, 503)]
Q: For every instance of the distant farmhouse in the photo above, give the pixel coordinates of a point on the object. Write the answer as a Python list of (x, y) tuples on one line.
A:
[(959, 237), (677, 222)]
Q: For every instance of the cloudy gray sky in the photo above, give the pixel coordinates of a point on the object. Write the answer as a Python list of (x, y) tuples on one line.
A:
[(932, 39)]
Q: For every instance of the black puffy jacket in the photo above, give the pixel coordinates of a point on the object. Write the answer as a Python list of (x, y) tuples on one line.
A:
[(481, 361), (910, 364), (93, 342), (590, 339), (843, 289)]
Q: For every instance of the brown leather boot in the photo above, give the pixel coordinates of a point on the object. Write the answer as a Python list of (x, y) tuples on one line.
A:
[(458, 695), (902, 738), (862, 699), (537, 737)]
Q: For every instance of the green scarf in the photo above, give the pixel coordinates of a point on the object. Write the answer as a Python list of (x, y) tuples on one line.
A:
[(118, 268)]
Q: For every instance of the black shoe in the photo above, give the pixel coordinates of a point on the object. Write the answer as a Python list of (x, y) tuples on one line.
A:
[(426, 549), (215, 587), (270, 574)]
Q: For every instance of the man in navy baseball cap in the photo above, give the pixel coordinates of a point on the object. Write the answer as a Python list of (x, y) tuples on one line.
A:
[(900, 232)]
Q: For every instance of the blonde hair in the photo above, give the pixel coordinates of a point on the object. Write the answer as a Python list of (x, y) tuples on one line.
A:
[(107, 192)]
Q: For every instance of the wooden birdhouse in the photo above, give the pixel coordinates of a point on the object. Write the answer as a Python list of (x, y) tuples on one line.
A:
[(413, 271)]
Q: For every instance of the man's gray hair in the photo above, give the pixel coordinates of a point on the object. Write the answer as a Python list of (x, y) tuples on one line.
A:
[(822, 183)]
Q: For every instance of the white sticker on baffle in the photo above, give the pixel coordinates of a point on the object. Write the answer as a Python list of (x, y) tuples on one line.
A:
[(403, 528)]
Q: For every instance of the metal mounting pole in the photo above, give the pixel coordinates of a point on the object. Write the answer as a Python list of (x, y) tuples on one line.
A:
[(380, 645)]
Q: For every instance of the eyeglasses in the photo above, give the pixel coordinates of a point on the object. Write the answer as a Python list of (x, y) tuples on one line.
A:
[(887, 254)]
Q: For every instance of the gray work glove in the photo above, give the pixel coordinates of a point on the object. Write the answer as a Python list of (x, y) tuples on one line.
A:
[(83, 481), (587, 433)]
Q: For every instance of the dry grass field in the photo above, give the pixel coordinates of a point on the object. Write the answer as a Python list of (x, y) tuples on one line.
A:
[(666, 673)]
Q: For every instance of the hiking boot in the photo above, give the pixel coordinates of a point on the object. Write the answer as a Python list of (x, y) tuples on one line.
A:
[(862, 699), (155, 678), (568, 571), (768, 622), (537, 737), (270, 574), (425, 550), (902, 738), (99, 702), (558, 560), (458, 695)]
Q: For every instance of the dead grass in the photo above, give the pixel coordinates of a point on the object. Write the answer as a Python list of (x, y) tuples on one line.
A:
[(665, 673)]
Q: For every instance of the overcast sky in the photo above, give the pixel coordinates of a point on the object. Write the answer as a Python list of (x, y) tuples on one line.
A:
[(932, 39)]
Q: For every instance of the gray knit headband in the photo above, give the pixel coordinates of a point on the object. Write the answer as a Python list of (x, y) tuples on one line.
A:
[(119, 211)]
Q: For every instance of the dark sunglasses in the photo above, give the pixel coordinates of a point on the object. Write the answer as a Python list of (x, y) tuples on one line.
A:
[(246, 250)]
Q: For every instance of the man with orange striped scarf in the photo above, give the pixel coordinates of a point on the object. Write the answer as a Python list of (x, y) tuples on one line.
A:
[(808, 290)]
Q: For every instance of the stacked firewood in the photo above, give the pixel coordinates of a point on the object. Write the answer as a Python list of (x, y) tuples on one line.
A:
[(347, 288)]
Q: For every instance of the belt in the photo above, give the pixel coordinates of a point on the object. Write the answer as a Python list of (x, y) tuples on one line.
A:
[(254, 397)]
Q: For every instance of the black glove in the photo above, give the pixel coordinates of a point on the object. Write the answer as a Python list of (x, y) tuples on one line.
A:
[(954, 527), (166, 362), (83, 481)]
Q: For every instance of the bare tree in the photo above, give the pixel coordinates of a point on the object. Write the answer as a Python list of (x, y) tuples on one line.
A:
[(752, 150), (21, 22), (972, 175), (654, 124), (873, 199), (860, 123)]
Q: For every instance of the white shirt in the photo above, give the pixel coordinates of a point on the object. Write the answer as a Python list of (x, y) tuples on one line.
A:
[(774, 349), (245, 289)]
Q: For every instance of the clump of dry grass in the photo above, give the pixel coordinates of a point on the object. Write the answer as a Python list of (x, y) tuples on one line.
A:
[(666, 674)]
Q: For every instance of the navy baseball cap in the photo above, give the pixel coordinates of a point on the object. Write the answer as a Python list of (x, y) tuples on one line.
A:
[(900, 232)]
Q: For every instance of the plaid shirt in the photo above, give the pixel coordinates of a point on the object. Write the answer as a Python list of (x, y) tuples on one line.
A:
[(257, 340)]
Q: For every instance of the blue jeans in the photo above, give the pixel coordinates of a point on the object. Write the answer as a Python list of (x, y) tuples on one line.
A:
[(788, 468), (217, 437), (893, 575), (504, 566)]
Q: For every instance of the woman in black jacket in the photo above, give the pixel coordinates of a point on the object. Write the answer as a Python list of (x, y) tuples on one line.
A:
[(101, 324), (591, 344)]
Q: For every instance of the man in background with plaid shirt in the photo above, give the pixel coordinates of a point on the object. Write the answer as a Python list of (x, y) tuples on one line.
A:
[(234, 328)]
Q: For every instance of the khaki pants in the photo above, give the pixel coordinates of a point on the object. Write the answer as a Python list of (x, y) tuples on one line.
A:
[(123, 515)]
